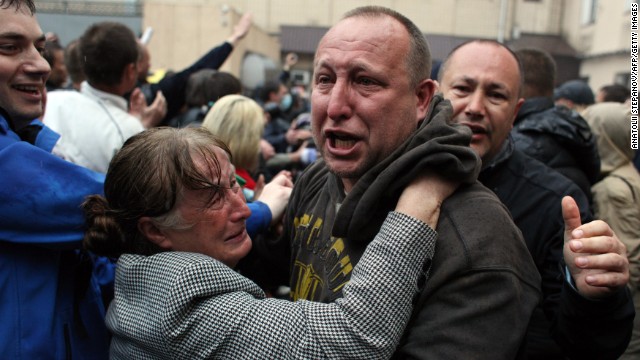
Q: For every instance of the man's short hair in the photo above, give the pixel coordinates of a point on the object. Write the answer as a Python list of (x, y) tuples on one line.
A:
[(539, 72), (271, 86), (615, 93), (5, 4), (107, 48), (419, 57), (208, 85)]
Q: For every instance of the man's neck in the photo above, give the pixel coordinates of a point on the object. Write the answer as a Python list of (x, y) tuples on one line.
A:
[(348, 184), (110, 89), (14, 124)]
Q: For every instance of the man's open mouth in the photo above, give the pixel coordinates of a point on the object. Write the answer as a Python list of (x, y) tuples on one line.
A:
[(341, 141)]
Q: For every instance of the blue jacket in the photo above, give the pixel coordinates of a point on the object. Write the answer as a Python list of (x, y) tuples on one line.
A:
[(50, 302)]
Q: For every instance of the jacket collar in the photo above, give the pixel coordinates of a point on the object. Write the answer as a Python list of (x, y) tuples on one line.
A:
[(505, 153), (534, 105), (5, 121), (94, 93)]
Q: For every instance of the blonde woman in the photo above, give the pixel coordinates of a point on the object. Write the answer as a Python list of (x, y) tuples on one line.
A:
[(239, 122)]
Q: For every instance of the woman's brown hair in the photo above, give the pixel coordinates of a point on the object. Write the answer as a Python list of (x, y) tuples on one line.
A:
[(146, 178)]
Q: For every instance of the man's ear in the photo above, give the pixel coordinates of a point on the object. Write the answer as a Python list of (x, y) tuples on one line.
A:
[(153, 233), (130, 74), (424, 93), (516, 110)]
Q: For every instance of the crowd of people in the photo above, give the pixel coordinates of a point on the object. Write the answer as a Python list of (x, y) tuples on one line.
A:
[(476, 211)]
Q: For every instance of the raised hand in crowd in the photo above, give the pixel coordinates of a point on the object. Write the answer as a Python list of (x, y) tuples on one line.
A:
[(241, 29)]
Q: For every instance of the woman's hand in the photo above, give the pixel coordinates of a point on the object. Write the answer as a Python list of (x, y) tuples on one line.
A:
[(423, 197)]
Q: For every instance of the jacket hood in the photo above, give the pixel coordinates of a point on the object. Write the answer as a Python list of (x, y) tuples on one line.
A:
[(565, 125), (609, 122), (436, 145)]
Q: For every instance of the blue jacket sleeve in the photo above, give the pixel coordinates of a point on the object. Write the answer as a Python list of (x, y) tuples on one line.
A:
[(40, 195), (259, 220)]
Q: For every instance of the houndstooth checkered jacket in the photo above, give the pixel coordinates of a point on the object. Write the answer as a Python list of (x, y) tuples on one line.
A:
[(177, 305)]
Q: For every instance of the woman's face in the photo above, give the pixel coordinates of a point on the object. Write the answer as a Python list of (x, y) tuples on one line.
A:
[(218, 228)]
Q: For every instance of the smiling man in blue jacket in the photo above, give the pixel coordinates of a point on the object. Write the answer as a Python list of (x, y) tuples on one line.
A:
[(50, 303), (50, 299)]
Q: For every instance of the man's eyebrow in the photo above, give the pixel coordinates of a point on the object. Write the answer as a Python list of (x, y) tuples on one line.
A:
[(492, 85), (469, 80), (498, 86), (10, 35)]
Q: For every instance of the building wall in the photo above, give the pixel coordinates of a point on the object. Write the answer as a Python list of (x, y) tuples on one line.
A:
[(184, 31), (609, 33), (70, 19), (603, 70), (453, 17), (70, 27), (470, 18), (539, 17), (604, 43)]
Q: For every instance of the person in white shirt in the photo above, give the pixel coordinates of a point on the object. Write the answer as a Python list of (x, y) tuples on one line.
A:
[(95, 122)]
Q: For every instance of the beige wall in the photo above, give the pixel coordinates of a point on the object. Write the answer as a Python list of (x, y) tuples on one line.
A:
[(537, 17), (609, 33), (602, 70), (453, 17), (604, 44), (186, 30)]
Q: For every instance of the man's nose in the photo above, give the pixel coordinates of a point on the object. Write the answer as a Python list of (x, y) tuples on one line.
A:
[(475, 106), (35, 64), (339, 106)]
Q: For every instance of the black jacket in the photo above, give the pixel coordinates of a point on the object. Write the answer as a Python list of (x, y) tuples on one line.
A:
[(173, 86), (560, 138), (582, 328)]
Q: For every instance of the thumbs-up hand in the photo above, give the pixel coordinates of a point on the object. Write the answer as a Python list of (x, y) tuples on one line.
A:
[(596, 258)]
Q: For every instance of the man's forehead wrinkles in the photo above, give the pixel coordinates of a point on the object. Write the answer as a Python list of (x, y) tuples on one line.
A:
[(346, 64)]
